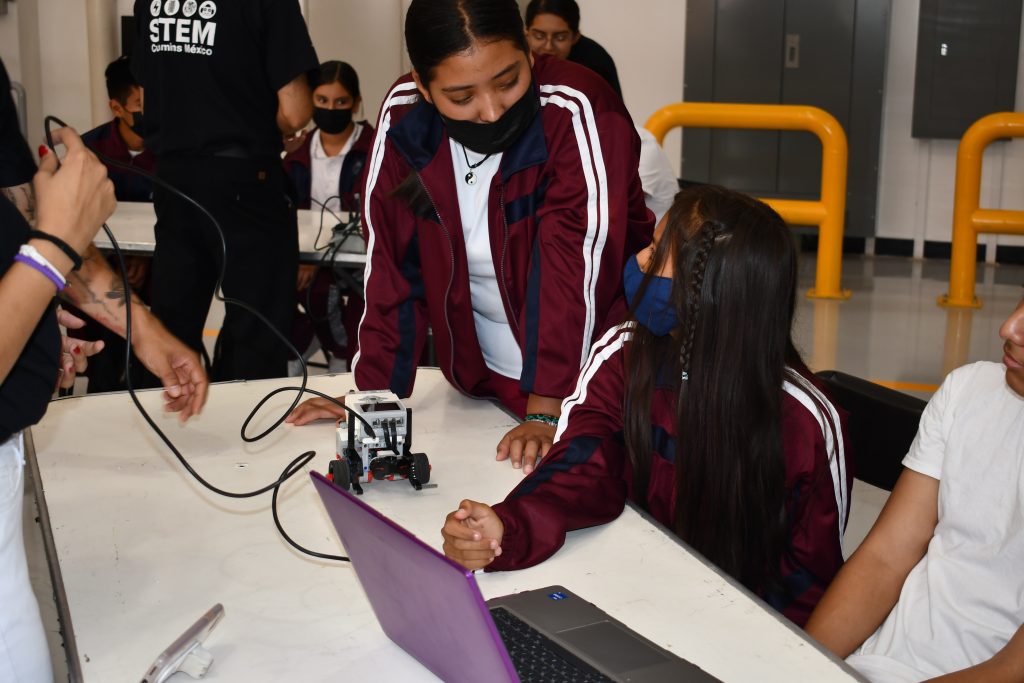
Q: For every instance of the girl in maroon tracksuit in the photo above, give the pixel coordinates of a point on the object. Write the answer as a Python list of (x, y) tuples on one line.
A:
[(699, 410), (501, 202)]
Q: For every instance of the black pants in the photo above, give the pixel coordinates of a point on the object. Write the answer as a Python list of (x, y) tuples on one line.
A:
[(248, 199)]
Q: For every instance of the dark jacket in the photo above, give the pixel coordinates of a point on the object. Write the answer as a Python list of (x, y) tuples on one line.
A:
[(585, 478), (128, 186), (299, 167), (565, 211)]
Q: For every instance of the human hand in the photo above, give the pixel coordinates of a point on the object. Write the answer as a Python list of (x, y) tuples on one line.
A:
[(294, 142), (73, 201), (73, 358), (179, 368), (316, 409), (472, 535), (526, 445), (306, 273)]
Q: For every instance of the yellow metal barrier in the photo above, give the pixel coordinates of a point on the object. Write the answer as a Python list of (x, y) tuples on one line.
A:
[(968, 218), (827, 212)]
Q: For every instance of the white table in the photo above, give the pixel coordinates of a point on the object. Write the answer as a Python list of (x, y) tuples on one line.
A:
[(143, 551), (132, 225)]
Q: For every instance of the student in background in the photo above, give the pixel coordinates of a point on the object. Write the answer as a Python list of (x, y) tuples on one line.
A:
[(121, 138), (325, 168), (490, 217), (553, 28), (701, 411), (936, 590)]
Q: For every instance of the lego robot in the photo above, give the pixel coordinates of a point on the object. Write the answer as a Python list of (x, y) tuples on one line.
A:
[(375, 442)]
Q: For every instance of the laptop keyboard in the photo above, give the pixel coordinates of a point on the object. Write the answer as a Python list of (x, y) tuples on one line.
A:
[(536, 658)]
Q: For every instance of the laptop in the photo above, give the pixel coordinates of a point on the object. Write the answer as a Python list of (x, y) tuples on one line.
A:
[(432, 608)]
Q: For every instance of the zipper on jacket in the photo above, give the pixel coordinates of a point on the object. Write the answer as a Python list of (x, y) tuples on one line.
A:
[(448, 289), (514, 321)]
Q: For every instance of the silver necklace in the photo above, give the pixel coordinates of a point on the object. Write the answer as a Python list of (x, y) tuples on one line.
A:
[(471, 177)]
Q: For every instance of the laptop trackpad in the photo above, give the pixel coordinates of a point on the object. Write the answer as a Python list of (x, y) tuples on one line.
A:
[(617, 649)]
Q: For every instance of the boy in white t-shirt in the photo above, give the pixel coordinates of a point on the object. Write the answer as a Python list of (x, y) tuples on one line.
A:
[(937, 587)]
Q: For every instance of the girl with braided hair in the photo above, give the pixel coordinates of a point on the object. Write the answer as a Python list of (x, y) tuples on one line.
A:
[(699, 410)]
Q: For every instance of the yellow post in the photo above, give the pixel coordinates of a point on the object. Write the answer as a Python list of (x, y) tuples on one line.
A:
[(968, 218), (828, 212)]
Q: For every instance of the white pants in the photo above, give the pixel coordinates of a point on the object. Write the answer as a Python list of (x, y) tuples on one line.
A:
[(24, 657)]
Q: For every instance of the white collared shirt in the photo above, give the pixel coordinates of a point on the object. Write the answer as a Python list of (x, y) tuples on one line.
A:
[(326, 170)]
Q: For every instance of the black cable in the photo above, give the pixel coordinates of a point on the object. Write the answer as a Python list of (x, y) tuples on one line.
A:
[(295, 465)]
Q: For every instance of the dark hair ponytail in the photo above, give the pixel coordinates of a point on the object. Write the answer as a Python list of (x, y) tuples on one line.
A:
[(438, 29), (336, 72), (567, 10), (734, 289)]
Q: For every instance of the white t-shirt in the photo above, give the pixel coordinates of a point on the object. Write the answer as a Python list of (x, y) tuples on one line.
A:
[(500, 348), (965, 598), (327, 170), (656, 175)]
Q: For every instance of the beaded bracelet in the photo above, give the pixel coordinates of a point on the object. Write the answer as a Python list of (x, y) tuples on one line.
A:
[(76, 260), (549, 420), (33, 259)]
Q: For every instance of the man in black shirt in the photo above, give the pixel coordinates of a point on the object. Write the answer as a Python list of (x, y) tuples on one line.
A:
[(224, 81)]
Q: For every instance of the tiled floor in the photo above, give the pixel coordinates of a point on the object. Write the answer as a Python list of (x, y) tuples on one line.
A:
[(890, 331)]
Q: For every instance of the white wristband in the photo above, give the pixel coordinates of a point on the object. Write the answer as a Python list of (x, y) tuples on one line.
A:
[(30, 252)]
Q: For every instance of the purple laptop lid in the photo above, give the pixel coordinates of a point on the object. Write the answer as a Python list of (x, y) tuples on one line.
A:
[(430, 606)]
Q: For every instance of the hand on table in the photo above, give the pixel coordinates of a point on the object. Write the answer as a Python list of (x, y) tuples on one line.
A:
[(316, 409), (526, 445), (472, 535), (74, 352)]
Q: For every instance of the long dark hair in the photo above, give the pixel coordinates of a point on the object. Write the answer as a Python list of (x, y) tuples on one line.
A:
[(336, 72), (568, 10), (734, 290)]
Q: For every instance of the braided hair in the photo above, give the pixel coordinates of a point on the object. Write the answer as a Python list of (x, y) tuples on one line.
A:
[(734, 289)]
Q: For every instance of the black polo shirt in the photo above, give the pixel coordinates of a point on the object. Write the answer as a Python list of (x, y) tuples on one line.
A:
[(211, 70), (27, 388), (590, 54)]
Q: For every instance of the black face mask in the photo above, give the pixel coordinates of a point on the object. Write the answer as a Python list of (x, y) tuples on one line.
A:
[(491, 138), (332, 121), (138, 125)]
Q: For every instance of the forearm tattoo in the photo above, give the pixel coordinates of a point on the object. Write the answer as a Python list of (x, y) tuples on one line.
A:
[(99, 291), (24, 199)]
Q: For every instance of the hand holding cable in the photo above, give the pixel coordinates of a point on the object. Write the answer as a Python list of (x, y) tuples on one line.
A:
[(74, 197)]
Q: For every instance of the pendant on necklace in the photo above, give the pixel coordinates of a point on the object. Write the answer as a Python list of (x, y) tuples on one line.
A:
[(471, 178)]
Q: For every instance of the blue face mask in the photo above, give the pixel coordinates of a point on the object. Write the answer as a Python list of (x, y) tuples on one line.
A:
[(655, 310)]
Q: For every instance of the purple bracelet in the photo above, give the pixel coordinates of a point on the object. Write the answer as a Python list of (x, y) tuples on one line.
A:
[(54, 278)]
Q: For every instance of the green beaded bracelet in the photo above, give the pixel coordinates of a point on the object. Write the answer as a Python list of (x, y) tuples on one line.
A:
[(549, 420)]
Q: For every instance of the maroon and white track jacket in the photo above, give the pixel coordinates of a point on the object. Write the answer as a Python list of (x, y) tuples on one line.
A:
[(566, 210), (586, 477)]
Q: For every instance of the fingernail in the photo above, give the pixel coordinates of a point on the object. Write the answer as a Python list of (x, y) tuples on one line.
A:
[(76, 349), (43, 150)]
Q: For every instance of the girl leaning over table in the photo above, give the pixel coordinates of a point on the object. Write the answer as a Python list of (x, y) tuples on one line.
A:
[(501, 201), (701, 411)]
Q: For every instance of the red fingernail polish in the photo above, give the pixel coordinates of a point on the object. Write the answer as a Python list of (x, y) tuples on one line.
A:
[(43, 150), (76, 349)]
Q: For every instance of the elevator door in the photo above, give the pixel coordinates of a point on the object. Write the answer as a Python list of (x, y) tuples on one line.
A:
[(825, 53)]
